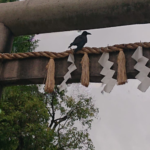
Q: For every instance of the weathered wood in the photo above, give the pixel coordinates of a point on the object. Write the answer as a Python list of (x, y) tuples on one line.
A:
[(43, 16), (6, 39), (33, 70)]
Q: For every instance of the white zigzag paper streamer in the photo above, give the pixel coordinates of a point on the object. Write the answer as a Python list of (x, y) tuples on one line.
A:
[(107, 72), (143, 70), (67, 76)]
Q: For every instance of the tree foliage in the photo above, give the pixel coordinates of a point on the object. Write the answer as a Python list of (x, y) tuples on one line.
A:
[(24, 44), (23, 120), (66, 113), (34, 120), (5, 1)]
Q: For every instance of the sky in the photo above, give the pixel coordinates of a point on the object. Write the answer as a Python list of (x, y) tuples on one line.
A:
[(124, 121)]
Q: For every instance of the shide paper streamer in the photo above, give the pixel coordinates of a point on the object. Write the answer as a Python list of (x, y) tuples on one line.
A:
[(143, 70), (67, 76), (107, 72)]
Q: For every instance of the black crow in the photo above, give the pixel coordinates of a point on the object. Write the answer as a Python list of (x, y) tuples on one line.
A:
[(80, 41)]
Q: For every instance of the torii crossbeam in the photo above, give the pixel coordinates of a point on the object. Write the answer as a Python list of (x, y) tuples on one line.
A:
[(44, 16)]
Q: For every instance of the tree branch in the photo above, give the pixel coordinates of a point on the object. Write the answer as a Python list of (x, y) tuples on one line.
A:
[(64, 118), (58, 122), (49, 111), (53, 112)]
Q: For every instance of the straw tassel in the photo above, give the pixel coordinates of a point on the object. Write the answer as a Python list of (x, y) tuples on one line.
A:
[(85, 77), (121, 76), (50, 80)]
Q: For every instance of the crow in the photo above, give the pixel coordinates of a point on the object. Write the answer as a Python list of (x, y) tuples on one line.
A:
[(80, 41)]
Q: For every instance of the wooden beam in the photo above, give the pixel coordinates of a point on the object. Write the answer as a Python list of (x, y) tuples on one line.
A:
[(33, 70), (43, 16)]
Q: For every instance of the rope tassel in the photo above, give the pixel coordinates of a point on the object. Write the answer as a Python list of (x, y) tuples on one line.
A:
[(121, 76), (50, 80), (85, 77)]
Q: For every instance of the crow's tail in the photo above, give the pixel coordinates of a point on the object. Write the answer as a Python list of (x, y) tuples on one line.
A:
[(70, 45)]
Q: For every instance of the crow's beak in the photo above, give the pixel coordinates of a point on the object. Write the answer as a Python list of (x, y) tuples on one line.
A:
[(89, 33)]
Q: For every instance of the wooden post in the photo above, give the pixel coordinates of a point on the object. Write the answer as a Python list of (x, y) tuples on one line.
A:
[(6, 40)]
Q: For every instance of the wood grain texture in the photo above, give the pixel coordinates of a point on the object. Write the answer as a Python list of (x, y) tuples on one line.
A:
[(45, 16)]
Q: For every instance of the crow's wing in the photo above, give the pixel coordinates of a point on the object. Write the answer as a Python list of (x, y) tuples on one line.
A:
[(79, 39)]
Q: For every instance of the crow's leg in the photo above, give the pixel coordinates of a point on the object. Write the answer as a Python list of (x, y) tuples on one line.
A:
[(79, 47)]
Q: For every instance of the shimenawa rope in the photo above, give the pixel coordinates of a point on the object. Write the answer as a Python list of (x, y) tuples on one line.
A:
[(66, 53)]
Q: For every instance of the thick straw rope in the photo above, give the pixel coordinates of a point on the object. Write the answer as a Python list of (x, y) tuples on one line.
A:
[(66, 53), (85, 76)]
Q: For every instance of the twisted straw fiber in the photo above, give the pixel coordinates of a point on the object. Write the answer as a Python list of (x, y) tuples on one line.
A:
[(66, 53)]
